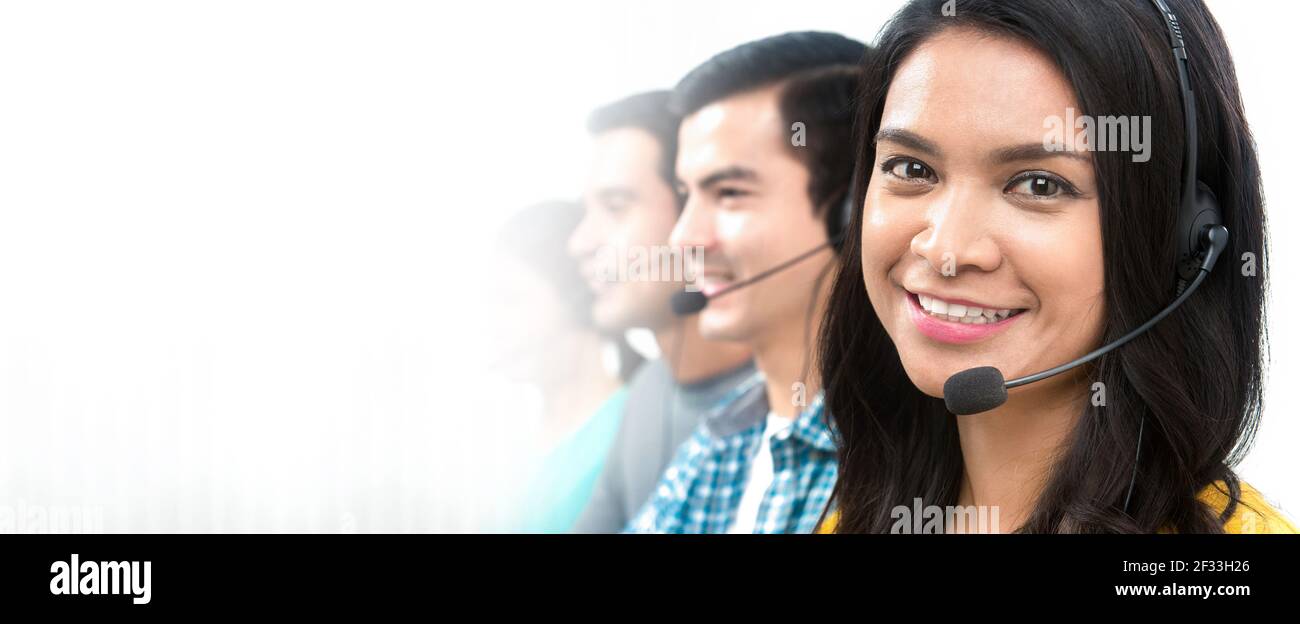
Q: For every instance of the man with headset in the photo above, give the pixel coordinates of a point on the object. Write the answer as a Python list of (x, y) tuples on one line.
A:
[(765, 162)]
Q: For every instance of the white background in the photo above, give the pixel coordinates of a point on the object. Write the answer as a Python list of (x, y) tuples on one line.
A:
[(241, 242)]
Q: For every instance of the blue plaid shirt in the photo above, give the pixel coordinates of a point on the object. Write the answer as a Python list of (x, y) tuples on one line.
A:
[(700, 492)]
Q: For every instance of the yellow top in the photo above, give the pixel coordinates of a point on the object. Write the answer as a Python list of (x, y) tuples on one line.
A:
[(1253, 513)]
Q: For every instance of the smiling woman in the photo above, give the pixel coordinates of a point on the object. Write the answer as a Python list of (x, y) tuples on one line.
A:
[(980, 243)]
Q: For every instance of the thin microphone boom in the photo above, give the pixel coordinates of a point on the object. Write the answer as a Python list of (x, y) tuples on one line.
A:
[(689, 302), (776, 269)]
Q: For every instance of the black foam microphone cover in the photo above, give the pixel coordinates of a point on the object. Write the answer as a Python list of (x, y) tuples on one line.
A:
[(686, 302), (975, 390)]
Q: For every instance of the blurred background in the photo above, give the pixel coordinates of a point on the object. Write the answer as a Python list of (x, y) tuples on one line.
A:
[(249, 260)]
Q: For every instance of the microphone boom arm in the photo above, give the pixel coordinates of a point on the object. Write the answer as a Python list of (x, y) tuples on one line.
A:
[(776, 269)]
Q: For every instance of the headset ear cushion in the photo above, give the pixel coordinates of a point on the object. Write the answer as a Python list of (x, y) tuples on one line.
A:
[(1202, 213), (1207, 206)]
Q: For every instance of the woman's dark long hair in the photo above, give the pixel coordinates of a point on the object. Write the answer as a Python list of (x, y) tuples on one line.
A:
[(1196, 377)]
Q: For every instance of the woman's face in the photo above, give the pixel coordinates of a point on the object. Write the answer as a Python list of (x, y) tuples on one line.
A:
[(980, 246)]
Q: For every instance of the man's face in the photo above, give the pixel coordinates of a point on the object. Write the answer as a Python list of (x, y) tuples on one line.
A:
[(748, 207), (630, 209)]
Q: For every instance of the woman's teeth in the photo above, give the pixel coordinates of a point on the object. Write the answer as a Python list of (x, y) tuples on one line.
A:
[(958, 313)]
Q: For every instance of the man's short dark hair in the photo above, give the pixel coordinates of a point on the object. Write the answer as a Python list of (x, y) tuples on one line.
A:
[(649, 112), (819, 71)]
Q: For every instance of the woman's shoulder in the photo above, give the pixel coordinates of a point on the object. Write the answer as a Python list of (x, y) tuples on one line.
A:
[(1253, 513)]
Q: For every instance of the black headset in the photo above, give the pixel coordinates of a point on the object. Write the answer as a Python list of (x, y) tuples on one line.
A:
[(1198, 210)]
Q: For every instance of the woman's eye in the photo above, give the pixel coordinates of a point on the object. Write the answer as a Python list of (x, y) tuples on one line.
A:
[(1036, 186), (908, 169)]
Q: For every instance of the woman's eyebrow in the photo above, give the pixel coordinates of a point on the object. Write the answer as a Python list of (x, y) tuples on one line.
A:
[(1013, 153), (908, 139), (1035, 151)]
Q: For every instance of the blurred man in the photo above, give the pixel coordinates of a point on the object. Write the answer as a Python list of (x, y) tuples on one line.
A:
[(631, 206), (765, 161)]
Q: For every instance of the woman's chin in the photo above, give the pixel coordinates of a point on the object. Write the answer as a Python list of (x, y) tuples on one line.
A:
[(929, 378), (926, 379)]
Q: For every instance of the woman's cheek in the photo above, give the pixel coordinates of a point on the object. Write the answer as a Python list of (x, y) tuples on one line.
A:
[(1063, 267), (884, 238), (871, 243)]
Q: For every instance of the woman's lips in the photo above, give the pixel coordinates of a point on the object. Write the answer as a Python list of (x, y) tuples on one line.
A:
[(950, 331)]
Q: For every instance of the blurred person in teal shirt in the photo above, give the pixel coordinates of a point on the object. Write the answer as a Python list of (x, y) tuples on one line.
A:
[(570, 374)]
